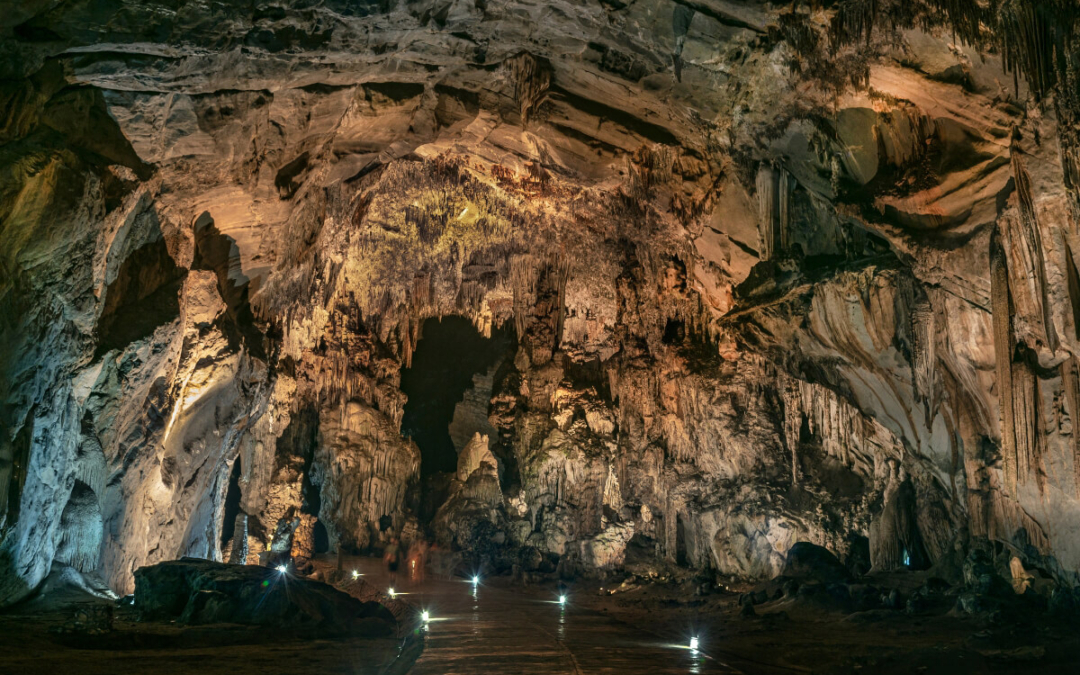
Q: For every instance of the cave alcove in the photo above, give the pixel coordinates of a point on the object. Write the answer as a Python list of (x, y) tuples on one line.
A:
[(231, 507), (451, 361), (80, 529)]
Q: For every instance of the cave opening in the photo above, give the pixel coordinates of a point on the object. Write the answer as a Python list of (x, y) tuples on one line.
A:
[(322, 537), (143, 296), (674, 332), (311, 504), (449, 389), (681, 557), (14, 463), (231, 508)]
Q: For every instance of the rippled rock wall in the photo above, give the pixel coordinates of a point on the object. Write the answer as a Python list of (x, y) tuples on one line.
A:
[(776, 274)]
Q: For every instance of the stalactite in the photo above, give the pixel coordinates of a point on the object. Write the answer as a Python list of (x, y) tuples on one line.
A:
[(1000, 310), (783, 198), (998, 517), (562, 270), (1030, 439), (524, 277), (532, 79), (766, 191), (845, 432), (1030, 250), (774, 197), (924, 360), (793, 416), (90, 466), (853, 20)]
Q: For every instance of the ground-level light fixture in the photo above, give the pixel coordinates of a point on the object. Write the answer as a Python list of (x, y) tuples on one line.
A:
[(693, 643), (425, 616), (282, 568), (392, 592), (475, 580), (355, 574), (562, 599)]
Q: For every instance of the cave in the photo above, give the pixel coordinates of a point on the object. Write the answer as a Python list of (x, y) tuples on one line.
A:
[(142, 297), (231, 507), (448, 355), (573, 336)]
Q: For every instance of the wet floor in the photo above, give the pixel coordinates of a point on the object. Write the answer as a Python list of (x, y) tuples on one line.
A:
[(498, 630)]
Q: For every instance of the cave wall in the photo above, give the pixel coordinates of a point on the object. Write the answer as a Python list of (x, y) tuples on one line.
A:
[(766, 286)]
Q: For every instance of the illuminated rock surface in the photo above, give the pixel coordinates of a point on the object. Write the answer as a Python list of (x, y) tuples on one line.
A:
[(770, 278)]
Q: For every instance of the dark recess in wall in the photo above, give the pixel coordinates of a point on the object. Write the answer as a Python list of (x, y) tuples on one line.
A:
[(143, 296), (232, 504), (218, 253), (446, 358), (15, 469)]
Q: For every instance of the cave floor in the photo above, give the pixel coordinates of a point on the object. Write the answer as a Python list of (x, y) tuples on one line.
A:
[(496, 627), (508, 628), (790, 636)]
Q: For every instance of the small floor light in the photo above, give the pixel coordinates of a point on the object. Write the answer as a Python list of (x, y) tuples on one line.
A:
[(475, 580), (694, 643), (282, 568), (355, 574), (562, 599), (425, 616), (392, 592)]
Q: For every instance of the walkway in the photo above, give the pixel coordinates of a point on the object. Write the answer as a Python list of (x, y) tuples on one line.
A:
[(487, 630)]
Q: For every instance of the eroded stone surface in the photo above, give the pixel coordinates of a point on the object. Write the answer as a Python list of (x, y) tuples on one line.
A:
[(755, 303)]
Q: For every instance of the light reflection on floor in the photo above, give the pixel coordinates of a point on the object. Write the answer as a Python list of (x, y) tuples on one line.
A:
[(487, 629)]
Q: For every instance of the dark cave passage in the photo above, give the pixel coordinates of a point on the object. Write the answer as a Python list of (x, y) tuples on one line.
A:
[(143, 296), (219, 253), (448, 355), (232, 504)]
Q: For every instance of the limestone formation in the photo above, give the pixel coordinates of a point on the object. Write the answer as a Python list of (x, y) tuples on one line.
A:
[(774, 272)]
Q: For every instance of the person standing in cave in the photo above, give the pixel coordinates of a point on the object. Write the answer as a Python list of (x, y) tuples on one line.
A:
[(418, 552), (392, 558)]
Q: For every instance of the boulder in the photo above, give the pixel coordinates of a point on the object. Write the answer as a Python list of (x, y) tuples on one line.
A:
[(809, 561), (194, 591)]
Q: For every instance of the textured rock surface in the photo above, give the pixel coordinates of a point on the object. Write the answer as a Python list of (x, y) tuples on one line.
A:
[(204, 592), (776, 274)]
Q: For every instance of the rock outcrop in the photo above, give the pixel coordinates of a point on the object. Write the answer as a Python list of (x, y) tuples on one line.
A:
[(205, 592)]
